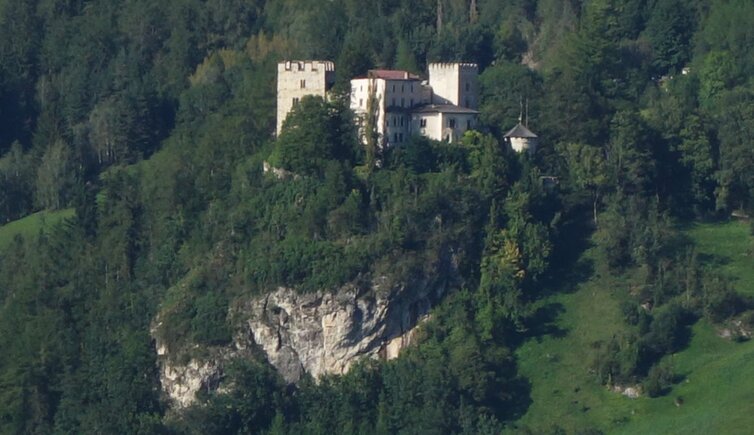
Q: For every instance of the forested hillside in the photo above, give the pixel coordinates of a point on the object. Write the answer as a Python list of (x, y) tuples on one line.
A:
[(134, 206)]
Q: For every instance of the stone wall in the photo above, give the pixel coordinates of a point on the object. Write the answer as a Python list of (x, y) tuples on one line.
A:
[(297, 79), (454, 83)]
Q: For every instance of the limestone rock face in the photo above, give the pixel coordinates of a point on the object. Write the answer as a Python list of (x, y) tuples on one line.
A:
[(181, 378), (324, 333), (316, 333), (181, 382)]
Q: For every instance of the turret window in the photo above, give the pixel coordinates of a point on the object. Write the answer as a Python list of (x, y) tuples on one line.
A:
[(303, 84)]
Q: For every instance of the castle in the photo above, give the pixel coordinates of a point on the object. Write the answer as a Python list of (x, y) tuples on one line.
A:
[(399, 103), (442, 108)]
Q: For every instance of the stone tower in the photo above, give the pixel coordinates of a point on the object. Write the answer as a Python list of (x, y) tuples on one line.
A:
[(297, 79), (454, 83)]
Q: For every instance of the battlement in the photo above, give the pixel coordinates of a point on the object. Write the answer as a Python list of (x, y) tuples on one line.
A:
[(294, 66), (453, 66)]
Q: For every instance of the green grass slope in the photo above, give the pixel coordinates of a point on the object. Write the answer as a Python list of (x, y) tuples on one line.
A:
[(31, 225), (717, 390)]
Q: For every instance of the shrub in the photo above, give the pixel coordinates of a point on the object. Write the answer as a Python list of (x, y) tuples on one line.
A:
[(209, 325), (659, 380)]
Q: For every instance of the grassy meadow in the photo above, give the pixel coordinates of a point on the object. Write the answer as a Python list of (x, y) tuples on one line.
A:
[(31, 225), (716, 390)]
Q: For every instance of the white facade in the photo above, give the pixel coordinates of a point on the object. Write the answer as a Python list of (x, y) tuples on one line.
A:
[(396, 93), (455, 83), (522, 139), (443, 122), (405, 105), (297, 79)]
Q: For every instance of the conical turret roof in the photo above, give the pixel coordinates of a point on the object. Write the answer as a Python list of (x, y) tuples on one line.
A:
[(520, 131)]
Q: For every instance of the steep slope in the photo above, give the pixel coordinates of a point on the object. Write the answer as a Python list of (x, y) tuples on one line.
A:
[(714, 391)]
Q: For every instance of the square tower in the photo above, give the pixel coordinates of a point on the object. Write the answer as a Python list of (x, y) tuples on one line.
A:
[(455, 83), (296, 79)]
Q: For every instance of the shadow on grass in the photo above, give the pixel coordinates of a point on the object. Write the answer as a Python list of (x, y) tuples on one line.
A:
[(569, 268), (713, 260), (544, 322), (520, 388)]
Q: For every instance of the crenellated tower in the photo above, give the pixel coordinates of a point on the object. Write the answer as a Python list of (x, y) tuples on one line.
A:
[(296, 79), (455, 83)]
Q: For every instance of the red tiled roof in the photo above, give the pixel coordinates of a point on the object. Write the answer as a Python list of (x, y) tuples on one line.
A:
[(389, 74)]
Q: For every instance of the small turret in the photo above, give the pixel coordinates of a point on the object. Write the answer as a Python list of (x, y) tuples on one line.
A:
[(522, 139)]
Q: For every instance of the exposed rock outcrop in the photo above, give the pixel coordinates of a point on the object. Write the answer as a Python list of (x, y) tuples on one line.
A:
[(316, 333), (184, 376), (323, 333)]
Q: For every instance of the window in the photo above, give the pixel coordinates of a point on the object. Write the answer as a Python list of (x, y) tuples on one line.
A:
[(401, 121), (395, 137), (411, 104), (295, 101), (423, 122), (303, 84), (393, 87), (403, 102), (412, 87), (467, 103), (452, 122), (403, 88), (468, 87), (395, 121), (468, 124), (361, 102), (400, 137), (393, 102)]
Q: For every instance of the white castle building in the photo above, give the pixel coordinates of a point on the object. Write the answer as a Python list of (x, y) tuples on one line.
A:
[(442, 108)]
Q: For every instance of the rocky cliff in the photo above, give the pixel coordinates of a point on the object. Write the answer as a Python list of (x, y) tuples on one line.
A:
[(315, 333)]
